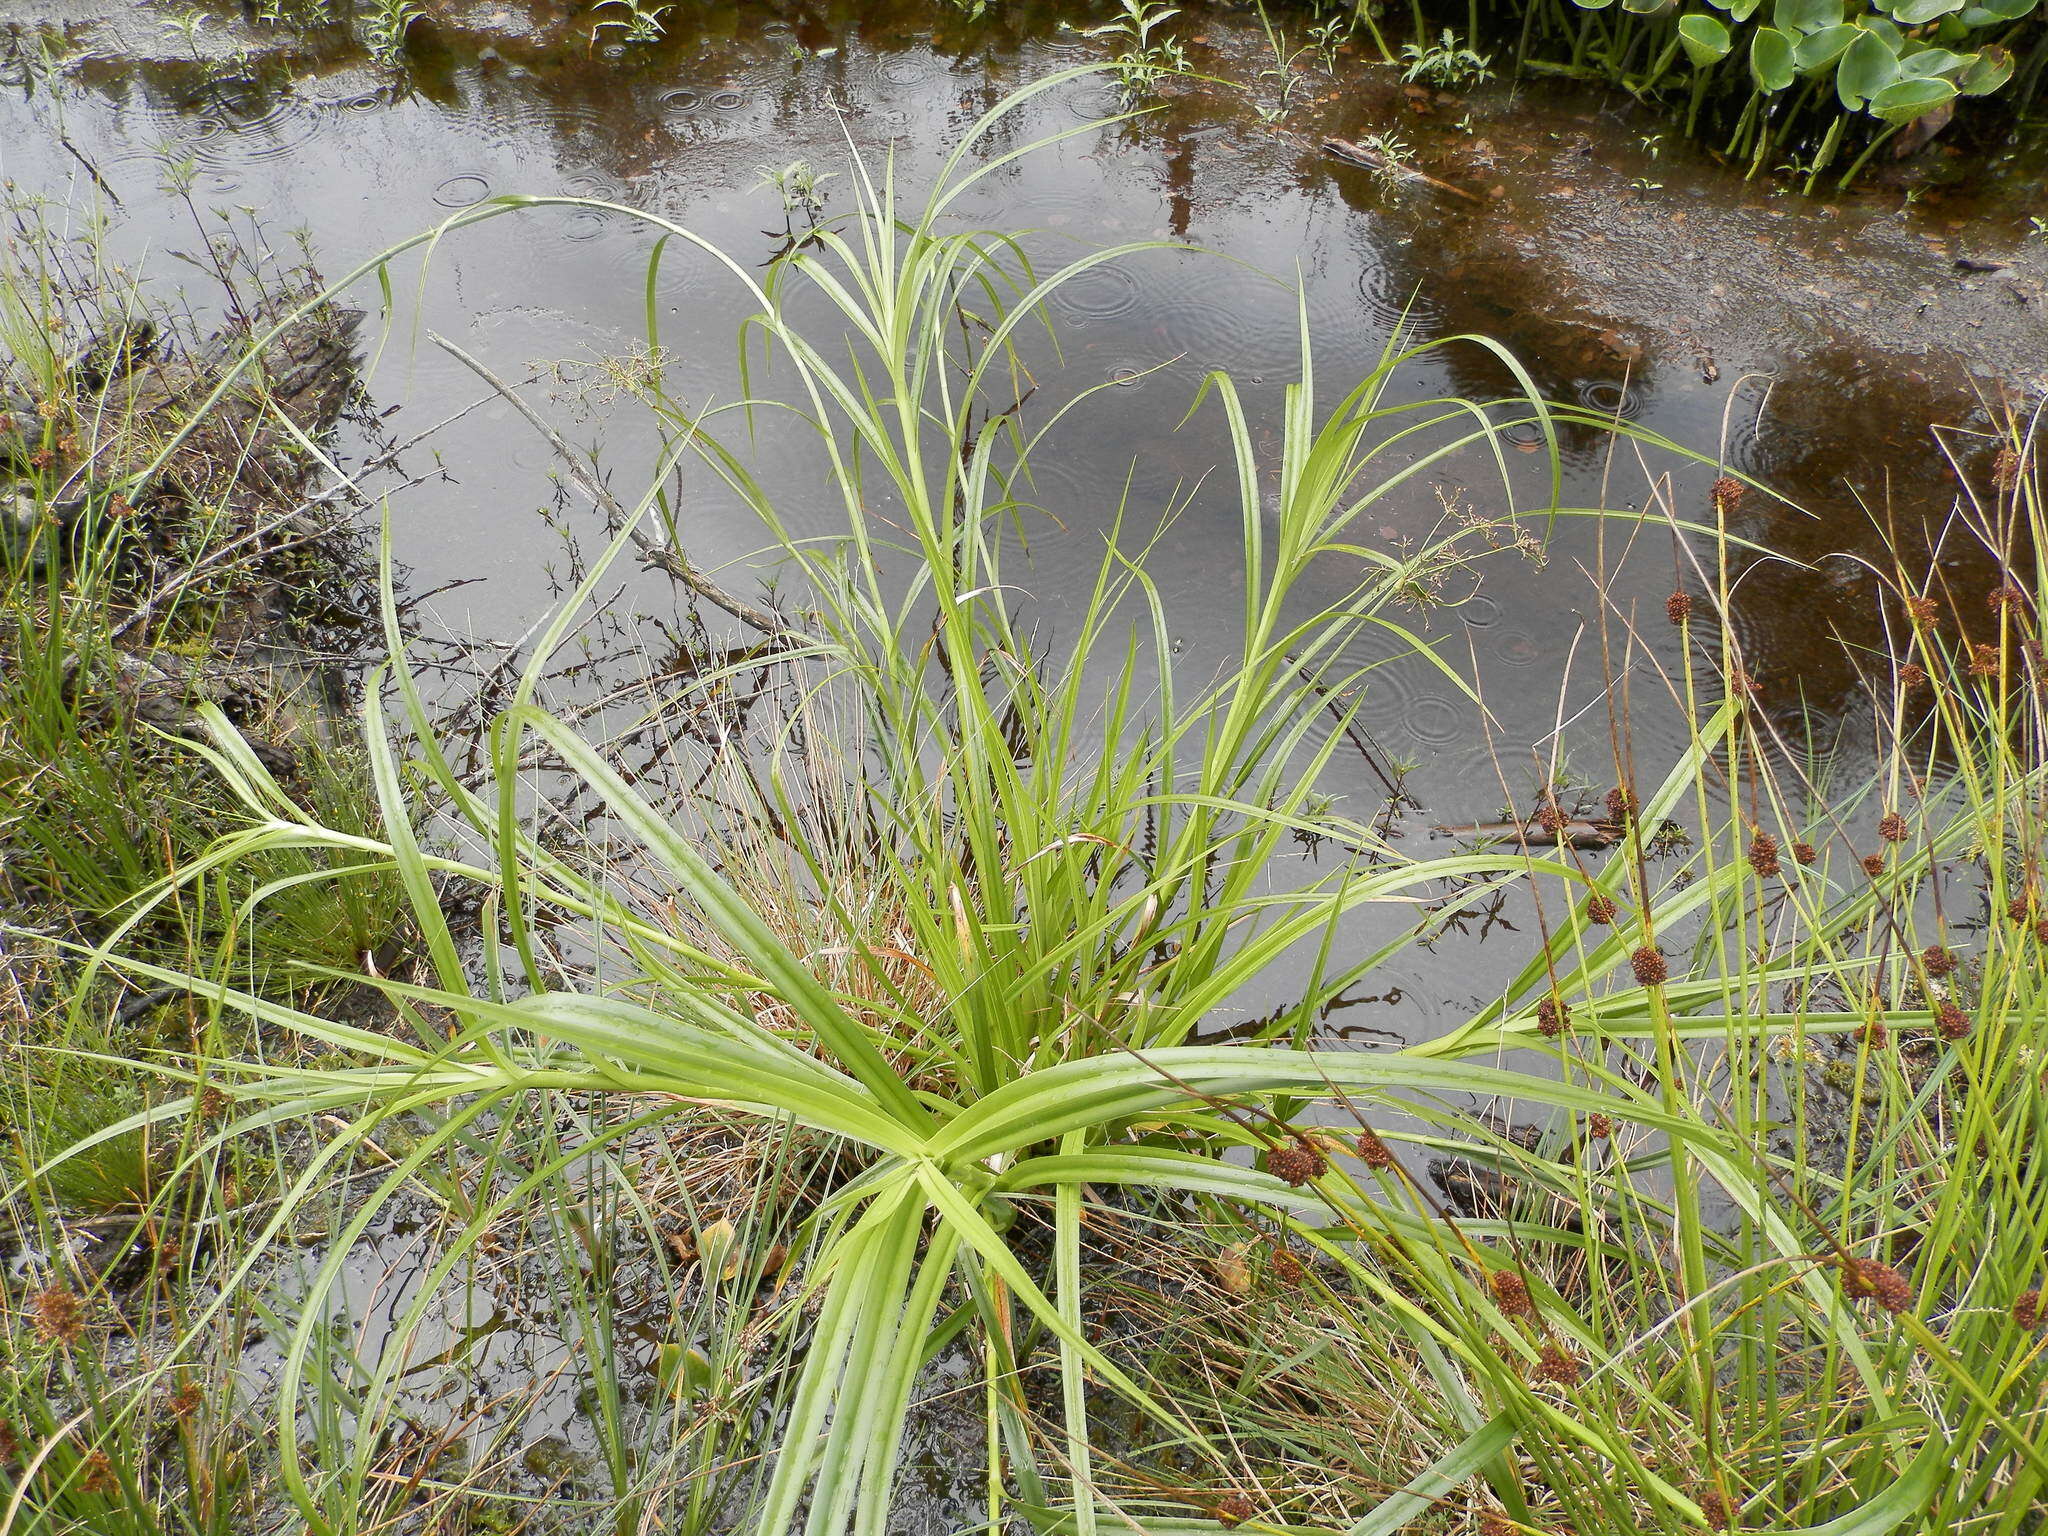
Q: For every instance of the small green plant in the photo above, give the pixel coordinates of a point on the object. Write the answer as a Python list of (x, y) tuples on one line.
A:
[(1147, 56), (800, 187), (640, 22), (386, 26), (1446, 63)]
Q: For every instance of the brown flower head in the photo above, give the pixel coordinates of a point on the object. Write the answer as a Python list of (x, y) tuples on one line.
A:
[(1939, 961), (1296, 1163), (1804, 853), (1871, 1280), (186, 1400), (59, 1315), (1873, 864), (98, 1474), (2026, 1310), (1491, 1524), (1950, 1022), (1621, 805), (1763, 855), (1649, 966), (2041, 931), (1553, 1017), (1984, 661), (1553, 1364), (1741, 685), (2005, 596), (1550, 816), (1511, 1293), (1678, 607), (10, 1444), (1373, 1152), (1727, 493), (1912, 675), (1923, 610), (2005, 469), (1894, 828), (1599, 1127), (1233, 1509), (1874, 1034), (2021, 908), (1715, 1507), (1600, 908), (1286, 1268)]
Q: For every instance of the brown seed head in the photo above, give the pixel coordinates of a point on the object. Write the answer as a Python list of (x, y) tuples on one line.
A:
[(1894, 828), (1804, 853), (1923, 610), (1714, 1505), (1912, 675), (2021, 908), (1871, 1280), (1873, 864), (2006, 596), (1553, 1017), (1286, 1268), (1491, 1524), (98, 1474), (185, 1401), (1678, 607), (1743, 686), (1550, 816), (1553, 1364), (1296, 1163), (1621, 805), (10, 1444), (1727, 493), (1763, 855), (1373, 1152), (59, 1315), (1950, 1022), (1600, 908), (1511, 1293), (2041, 931), (1649, 966), (2005, 469), (1939, 961), (1599, 1127), (1874, 1034), (1233, 1509), (2026, 1310)]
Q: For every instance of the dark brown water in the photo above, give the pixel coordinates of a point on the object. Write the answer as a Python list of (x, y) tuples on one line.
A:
[(1809, 343)]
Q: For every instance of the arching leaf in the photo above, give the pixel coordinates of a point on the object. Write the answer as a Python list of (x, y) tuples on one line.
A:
[(1867, 67), (1904, 100), (1771, 63)]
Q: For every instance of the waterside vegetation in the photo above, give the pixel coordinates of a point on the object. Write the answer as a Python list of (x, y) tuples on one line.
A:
[(847, 1080)]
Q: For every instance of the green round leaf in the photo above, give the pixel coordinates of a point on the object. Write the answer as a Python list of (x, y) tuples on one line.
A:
[(2008, 10), (1799, 17), (1817, 50), (1646, 7), (1742, 10), (1904, 100), (1770, 60), (1914, 13), (1705, 38), (1868, 66), (1991, 69)]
